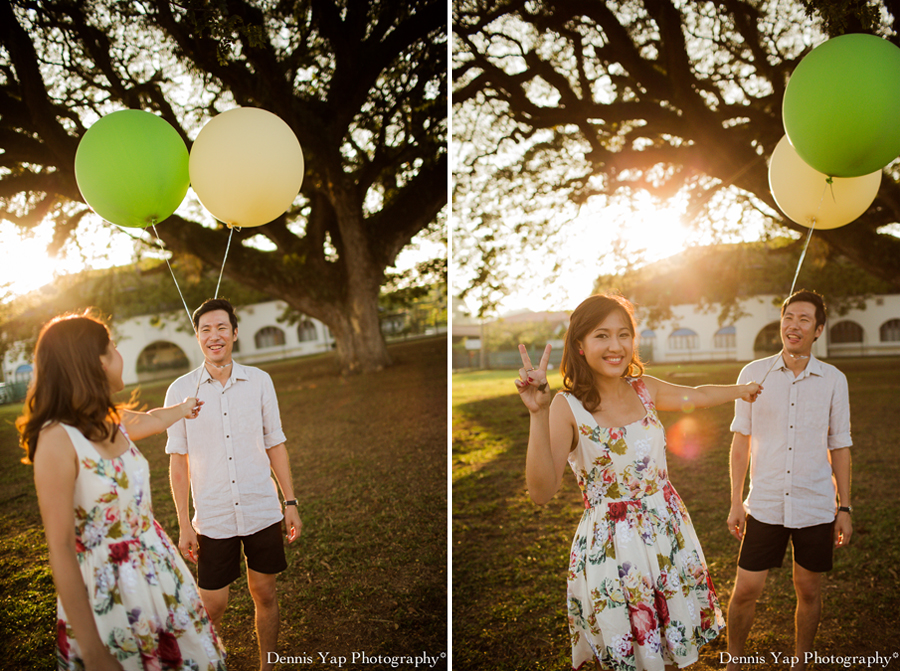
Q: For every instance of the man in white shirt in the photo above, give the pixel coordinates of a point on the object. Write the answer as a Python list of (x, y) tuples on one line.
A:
[(796, 440), (225, 462)]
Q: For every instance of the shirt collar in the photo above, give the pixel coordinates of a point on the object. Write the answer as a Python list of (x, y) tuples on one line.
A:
[(238, 372), (813, 366)]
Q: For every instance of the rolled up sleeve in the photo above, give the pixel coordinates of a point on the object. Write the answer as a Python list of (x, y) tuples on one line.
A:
[(742, 410), (272, 432), (839, 419), (177, 433)]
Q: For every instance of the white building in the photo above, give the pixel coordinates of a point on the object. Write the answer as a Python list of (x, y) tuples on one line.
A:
[(155, 349), (695, 335)]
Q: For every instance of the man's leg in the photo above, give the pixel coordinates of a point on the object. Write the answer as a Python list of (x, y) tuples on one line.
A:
[(262, 589), (215, 601), (747, 588), (808, 586)]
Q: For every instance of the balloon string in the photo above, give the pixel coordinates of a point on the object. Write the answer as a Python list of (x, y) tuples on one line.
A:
[(166, 257), (800, 262), (802, 256), (222, 270), (183, 301)]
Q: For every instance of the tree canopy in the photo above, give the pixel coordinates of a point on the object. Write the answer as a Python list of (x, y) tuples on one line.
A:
[(560, 101), (362, 84)]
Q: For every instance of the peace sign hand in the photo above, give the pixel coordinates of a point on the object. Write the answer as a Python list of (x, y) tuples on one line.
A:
[(532, 383)]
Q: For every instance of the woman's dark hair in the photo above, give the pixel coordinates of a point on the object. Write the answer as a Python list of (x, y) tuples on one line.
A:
[(211, 304), (69, 384), (578, 378)]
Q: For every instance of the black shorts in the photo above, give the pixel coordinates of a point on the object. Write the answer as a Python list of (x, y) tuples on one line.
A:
[(764, 545), (219, 564)]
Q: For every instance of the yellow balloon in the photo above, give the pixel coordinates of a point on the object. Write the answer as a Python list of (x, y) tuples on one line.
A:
[(246, 166), (805, 195)]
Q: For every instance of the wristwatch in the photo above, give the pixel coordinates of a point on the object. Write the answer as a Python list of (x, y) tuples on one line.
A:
[(845, 509), (290, 502)]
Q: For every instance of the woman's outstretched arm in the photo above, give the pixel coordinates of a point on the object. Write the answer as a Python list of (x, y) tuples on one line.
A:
[(677, 398), (142, 424)]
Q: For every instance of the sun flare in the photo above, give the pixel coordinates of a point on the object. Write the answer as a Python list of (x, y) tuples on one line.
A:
[(25, 264), (606, 241), (657, 234)]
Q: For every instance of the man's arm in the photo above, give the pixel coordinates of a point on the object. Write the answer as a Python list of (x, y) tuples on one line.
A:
[(740, 461), (839, 442), (281, 468), (841, 466), (180, 481)]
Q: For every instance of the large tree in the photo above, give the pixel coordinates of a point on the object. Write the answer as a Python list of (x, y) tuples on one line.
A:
[(361, 82), (559, 101)]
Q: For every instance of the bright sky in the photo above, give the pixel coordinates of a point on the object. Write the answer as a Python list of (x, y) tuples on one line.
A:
[(25, 264), (649, 234)]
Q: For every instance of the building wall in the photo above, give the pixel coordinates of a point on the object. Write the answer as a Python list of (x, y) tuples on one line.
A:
[(762, 311), (134, 335)]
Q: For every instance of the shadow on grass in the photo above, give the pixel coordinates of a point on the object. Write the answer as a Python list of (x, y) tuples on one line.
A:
[(369, 461), (510, 556)]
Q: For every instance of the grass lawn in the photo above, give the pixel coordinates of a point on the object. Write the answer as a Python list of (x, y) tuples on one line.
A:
[(369, 460), (510, 556)]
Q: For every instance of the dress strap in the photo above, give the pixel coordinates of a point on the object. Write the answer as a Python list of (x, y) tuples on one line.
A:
[(643, 393), (81, 444), (578, 410)]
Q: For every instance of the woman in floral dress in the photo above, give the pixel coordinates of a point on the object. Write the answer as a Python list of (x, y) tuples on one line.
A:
[(639, 593), (126, 600)]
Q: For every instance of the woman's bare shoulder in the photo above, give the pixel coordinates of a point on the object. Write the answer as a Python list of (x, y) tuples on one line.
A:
[(53, 442)]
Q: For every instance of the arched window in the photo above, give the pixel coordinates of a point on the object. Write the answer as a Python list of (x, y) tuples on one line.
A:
[(682, 339), (161, 356), (306, 331), (647, 343), (768, 341), (24, 372), (890, 331), (725, 338), (269, 336), (846, 332)]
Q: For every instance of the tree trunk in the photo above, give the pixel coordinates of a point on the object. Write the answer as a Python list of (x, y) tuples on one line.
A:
[(359, 344)]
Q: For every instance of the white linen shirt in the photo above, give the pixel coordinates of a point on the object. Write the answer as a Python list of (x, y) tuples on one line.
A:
[(792, 426), (231, 482)]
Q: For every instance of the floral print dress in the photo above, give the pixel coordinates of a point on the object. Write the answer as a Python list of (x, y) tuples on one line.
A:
[(146, 604), (639, 593)]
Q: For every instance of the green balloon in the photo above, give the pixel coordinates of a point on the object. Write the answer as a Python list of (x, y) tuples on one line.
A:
[(842, 106), (132, 168)]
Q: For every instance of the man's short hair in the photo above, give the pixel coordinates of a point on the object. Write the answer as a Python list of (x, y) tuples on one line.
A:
[(211, 304), (807, 296)]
